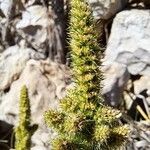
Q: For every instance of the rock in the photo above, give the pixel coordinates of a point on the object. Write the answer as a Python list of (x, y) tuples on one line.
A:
[(140, 136), (33, 26), (9, 8), (43, 31), (129, 47), (34, 16), (40, 137), (116, 77), (5, 6), (12, 62), (105, 9), (38, 148), (132, 46), (46, 83), (142, 84)]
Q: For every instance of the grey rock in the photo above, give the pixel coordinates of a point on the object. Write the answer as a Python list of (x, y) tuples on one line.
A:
[(132, 46), (128, 46), (116, 77), (139, 138), (5, 6), (43, 31), (142, 84), (105, 9), (33, 26), (12, 62), (46, 83), (40, 137), (34, 15)]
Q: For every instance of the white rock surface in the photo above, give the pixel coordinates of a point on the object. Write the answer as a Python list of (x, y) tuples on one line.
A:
[(5, 6), (129, 42), (116, 77), (142, 84), (34, 26), (46, 83), (44, 31), (12, 62), (128, 46), (34, 15), (105, 9)]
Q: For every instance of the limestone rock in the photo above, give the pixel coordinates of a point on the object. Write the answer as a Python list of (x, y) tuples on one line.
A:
[(129, 47), (12, 62), (43, 31), (105, 9), (34, 15), (129, 41), (46, 83), (116, 77), (5, 6), (142, 84), (33, 26)]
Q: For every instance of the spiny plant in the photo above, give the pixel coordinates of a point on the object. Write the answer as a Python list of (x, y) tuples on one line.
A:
[(83, 122), (24, 130)]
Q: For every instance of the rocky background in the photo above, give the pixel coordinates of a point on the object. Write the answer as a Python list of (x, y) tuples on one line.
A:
[(34, 52)]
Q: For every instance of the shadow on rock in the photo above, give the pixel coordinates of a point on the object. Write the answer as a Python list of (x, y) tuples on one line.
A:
[(6, 136)]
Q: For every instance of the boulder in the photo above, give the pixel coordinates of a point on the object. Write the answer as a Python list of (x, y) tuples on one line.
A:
[(44, 30), (33, 26), (142, 84), (129, 41), (128, 46), (13, 61), (46, 83), (5, 6), (115, 79), (105, 9)]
